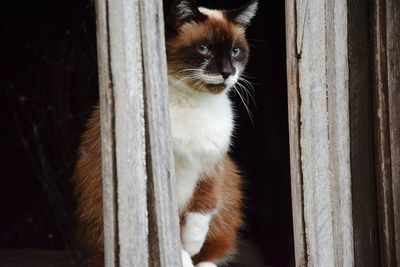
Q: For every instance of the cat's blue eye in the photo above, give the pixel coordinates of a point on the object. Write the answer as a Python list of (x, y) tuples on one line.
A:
[(235, 52), (203, 49)]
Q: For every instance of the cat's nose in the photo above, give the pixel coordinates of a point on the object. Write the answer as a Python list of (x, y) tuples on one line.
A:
[(226, 69), (226, 74)]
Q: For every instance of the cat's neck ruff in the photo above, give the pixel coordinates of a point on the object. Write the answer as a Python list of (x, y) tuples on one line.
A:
[(202, 125)]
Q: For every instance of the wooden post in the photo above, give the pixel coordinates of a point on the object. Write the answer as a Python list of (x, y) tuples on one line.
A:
[(162, 209), (386, 43), (320, 132), (140, 215)]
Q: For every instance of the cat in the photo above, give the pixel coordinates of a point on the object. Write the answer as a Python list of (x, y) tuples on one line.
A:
[(207, 52)]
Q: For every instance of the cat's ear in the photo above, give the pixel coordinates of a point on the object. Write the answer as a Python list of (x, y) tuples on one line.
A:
[(243, 15), (184, 11)]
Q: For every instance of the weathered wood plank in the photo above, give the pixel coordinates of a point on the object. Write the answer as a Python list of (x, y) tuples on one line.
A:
[(294, 101), (314, 135), (163, 215), (339, 130), (393, 65), (125, 185), (107, 136), (319, 122), (386, 40)]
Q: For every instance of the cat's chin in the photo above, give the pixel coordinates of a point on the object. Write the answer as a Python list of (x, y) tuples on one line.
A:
[(216, 88)]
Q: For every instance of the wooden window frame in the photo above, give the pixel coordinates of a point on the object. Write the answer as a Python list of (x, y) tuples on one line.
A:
[(319, 132), (140, 216), (343, 60), (338, 178), (386, 84)]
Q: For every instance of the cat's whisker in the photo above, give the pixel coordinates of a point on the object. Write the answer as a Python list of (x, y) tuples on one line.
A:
[(190, 70), (248, 97), (250, 94), (244, 103), (186, 78), (250, 114), (202, 85), (244, 74), (240, 86), (249, 84)]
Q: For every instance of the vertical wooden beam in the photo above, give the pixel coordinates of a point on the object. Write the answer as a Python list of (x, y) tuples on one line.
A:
[(320, 134), (140, 214), (123, 134), (294, 100), (386, 41), (339, 130), (393, 56), (163, 214), (107, 136)]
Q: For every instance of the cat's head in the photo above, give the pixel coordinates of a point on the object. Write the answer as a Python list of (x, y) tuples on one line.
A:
[(207, 49)]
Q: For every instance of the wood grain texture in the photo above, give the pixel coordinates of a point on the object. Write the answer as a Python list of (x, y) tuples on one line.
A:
[(163, 214), (107, 136), (141, 218), (393, 65), (339, 130), (319, 122), (123, 133), (294, 101), (386, 40)]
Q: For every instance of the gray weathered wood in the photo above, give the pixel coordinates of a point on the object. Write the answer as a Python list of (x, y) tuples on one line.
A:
[(319, 122), (123, 133), (386, 40), (107, 136), (141, 218), (339, 130), (163, 214)]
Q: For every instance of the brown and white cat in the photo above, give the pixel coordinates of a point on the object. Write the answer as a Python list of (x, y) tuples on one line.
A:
[(207, 52)]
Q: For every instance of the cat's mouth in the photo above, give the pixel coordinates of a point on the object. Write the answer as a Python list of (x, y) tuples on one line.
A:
[(213, 83), (212, 79)]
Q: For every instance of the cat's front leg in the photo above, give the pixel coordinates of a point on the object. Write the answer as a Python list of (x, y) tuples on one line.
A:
[(195, 231), (186, 259), (200, 211)]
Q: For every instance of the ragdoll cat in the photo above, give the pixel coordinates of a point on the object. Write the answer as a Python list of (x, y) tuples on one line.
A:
[(207, 52)]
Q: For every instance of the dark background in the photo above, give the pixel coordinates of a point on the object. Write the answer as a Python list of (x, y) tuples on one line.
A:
[(48, 85)]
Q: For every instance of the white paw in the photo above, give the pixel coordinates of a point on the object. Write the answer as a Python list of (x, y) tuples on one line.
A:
[(195, 231), (186, 259), (206, 264)]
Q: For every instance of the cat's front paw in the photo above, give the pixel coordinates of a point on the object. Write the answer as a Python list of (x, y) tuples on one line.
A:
[(206, 264), (186, 259), (195, 231)]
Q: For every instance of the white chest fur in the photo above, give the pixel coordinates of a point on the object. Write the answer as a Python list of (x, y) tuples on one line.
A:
[(202, 124)]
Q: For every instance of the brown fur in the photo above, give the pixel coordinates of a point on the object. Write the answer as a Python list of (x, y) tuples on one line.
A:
[(88, 188), (221, 192)]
